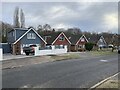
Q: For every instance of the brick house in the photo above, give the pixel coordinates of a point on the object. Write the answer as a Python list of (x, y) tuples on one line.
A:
[(58, 39), (77, 42)]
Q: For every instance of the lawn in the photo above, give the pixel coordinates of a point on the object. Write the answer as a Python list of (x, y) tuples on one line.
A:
[(110, 84), (98, 53), (76, 55)]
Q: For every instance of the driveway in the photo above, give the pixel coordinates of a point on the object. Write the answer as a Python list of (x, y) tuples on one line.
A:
[(62, 74)]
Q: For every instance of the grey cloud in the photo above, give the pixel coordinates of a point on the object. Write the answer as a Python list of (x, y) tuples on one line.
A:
[(88, 16)]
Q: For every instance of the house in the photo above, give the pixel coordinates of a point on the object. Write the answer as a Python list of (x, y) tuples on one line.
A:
[(58, 39), (98, 41), (108, 38), (102, 42), (20, 37), (77, 42), (112, 40)]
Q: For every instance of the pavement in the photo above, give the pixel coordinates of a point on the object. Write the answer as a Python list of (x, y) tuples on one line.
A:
[(73, 73), (13, 61), (24, 61), (11, 56)]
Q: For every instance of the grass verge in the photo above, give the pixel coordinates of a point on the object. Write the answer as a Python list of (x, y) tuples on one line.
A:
[(66, 56), (98, 53), (110, 84)]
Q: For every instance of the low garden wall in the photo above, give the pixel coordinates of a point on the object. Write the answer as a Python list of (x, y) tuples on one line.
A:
[(52, 51)]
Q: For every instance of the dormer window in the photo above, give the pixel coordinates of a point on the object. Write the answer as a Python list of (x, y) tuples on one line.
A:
[(31, 36), (61, 38), (82, 40)]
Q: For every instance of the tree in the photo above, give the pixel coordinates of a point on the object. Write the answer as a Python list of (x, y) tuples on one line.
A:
[(39, 28), (53, 30), (16, 18), (89, 46), (4, 29), (22, 19), (114, 42), (4, 39), (46, 27), (74, 30)]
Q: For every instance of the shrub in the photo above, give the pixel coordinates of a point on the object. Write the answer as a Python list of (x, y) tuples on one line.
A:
[(89, 46)]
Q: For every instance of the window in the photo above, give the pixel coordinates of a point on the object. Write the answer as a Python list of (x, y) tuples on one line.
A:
[(31, 36), (61, 38), (79, 46), (61, 46), (47, 38), (48, 47), (57, 46), (82, 40)]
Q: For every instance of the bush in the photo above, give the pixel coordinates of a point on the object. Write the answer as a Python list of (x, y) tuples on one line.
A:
[(89, 46)]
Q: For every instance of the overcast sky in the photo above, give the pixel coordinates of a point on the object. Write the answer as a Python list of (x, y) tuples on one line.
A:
[(90, 16)]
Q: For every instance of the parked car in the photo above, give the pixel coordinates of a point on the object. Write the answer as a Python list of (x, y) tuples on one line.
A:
[(29, 50)]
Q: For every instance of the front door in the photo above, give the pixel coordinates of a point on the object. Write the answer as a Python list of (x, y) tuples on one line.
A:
[(17, 48)]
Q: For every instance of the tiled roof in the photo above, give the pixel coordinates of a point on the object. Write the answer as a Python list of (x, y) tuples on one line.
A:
[(93, 38), (73, 37), (53, 36), (26, 29)]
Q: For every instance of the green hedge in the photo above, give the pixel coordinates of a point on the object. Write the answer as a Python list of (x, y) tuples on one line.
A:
[(89, 46)]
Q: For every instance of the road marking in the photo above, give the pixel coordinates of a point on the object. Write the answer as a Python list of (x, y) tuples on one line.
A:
[(98, 84), (104, 60)]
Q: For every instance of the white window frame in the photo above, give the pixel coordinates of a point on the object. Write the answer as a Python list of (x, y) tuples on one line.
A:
[(61, 38), (82, 40), (31, 36)]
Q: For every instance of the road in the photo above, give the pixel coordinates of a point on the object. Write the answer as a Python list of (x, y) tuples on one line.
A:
[(62, 74)]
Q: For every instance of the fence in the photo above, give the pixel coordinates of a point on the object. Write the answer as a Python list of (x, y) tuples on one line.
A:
[(6, 47), (52, 51)]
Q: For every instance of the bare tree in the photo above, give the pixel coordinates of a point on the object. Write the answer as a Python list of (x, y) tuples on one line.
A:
[(74, 30), (39, 27), (46, 27), (16, 17), (114, 41), (22, 19), (4, 29)]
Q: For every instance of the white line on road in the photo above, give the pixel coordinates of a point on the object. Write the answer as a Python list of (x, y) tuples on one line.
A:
[(96, 85)]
